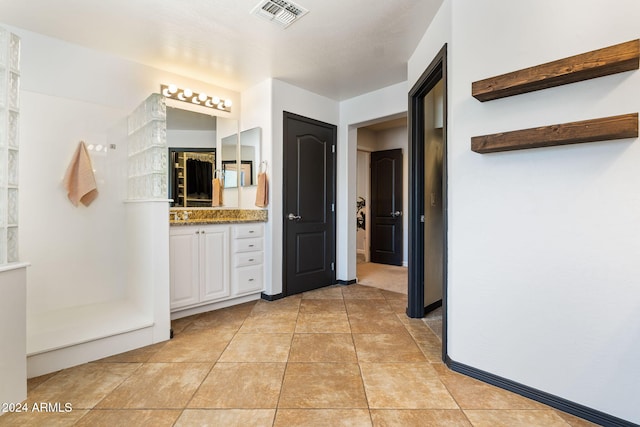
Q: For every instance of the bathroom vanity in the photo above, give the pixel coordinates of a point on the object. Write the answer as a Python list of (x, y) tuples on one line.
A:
[(216, 258)]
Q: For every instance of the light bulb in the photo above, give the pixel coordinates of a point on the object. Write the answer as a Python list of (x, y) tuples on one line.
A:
[(227, 103), (166, 92), (202, 97), (188, 93), (173, 88), (216, 100), (208, 103)]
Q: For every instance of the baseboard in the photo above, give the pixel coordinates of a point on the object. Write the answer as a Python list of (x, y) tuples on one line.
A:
[(346, 282), (563, 405), (272, 297), (433, 306)]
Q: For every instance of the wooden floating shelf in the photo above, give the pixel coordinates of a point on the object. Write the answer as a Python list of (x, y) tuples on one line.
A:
[(602, 62), (604, 129)]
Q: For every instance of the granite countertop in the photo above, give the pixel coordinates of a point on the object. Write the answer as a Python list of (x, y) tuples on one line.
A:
[(199, 216)]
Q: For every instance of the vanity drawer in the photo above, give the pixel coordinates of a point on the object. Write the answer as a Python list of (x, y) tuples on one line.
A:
[(249, 230), (249, 258), (248, 279), (247, 245)]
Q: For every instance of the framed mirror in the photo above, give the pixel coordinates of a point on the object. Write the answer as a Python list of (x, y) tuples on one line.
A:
[(245, 171)]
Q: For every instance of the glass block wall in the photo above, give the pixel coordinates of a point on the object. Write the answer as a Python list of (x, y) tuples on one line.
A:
[(147, 150), (9, 115)]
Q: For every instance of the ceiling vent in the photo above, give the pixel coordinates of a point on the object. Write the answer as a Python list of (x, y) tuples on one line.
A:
[(283, 13)]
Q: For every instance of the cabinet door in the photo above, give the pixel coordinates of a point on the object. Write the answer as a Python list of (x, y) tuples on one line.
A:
[(184, 269), (214, 263)]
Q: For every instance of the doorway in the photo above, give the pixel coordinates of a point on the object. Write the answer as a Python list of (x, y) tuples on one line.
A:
[(309, 245), (428, 193)]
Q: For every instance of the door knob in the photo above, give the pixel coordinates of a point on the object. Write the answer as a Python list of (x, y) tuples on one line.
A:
[(293, 217), (396, 214)]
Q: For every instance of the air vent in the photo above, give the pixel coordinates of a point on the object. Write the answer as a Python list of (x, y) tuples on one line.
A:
[(283, 13)]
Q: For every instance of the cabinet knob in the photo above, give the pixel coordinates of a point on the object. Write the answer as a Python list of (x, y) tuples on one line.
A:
[(251, 260)]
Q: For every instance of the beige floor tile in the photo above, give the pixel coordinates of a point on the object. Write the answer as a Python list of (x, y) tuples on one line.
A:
[(158, 385), (322, 418), (474, 394), (387, 348), (34, 382), (362, 292), (398, 306), (140, 355), (194, 346), (405, 386), (336, 323), (369, 307), (386, 323), (323, 348), (257, 348), (240, 385), (322, 385), (282, 306), (44, 419), (429, 344), (226, 417), (230, 318), (394, 295), (574, 421), (329, 292), (515, 418), (179, 325), (270, 323), (129, 417), (418, 418), (83, 386), (322, 306)]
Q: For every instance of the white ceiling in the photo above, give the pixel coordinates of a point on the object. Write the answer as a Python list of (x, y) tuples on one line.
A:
[(340, 49)]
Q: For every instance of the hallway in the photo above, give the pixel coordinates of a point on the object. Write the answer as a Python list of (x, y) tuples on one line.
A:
[(341, 355)]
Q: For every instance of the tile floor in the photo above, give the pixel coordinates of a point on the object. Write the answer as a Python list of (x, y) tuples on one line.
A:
[(337, 356)]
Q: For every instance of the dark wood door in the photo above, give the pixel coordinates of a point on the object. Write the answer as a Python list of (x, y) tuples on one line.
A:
[(309, 204), (386, 207)]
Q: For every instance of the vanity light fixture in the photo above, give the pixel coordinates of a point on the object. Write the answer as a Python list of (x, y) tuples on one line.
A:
[(187, 95)]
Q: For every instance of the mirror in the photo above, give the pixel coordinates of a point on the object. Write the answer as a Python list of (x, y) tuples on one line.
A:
[(246, 172), (195, 147)]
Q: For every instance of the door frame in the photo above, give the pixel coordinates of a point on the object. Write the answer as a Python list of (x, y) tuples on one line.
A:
[(436, 71), (285, 127)]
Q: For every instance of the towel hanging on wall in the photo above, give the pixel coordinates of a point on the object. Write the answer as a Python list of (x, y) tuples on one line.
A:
[(217, 190), (79, 180), (262, 193)]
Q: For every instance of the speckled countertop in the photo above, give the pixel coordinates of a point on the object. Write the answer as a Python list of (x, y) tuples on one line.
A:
[(198, 216)]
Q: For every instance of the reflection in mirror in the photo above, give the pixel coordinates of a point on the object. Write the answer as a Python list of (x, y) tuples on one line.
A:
[(191, 172), (194, 156), (246, 172)]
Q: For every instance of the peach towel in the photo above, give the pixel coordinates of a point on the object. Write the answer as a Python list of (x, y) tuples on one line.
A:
[(262, 193), (216, 192), (79, 179)]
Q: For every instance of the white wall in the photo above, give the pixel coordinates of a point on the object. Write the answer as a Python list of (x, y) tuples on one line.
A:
[(286, 97), (81, 256), (543, 275), (389, 102)]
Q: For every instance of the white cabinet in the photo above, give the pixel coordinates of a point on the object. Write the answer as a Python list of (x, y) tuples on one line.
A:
[(212, 263), (248, 252), (199, 264)]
